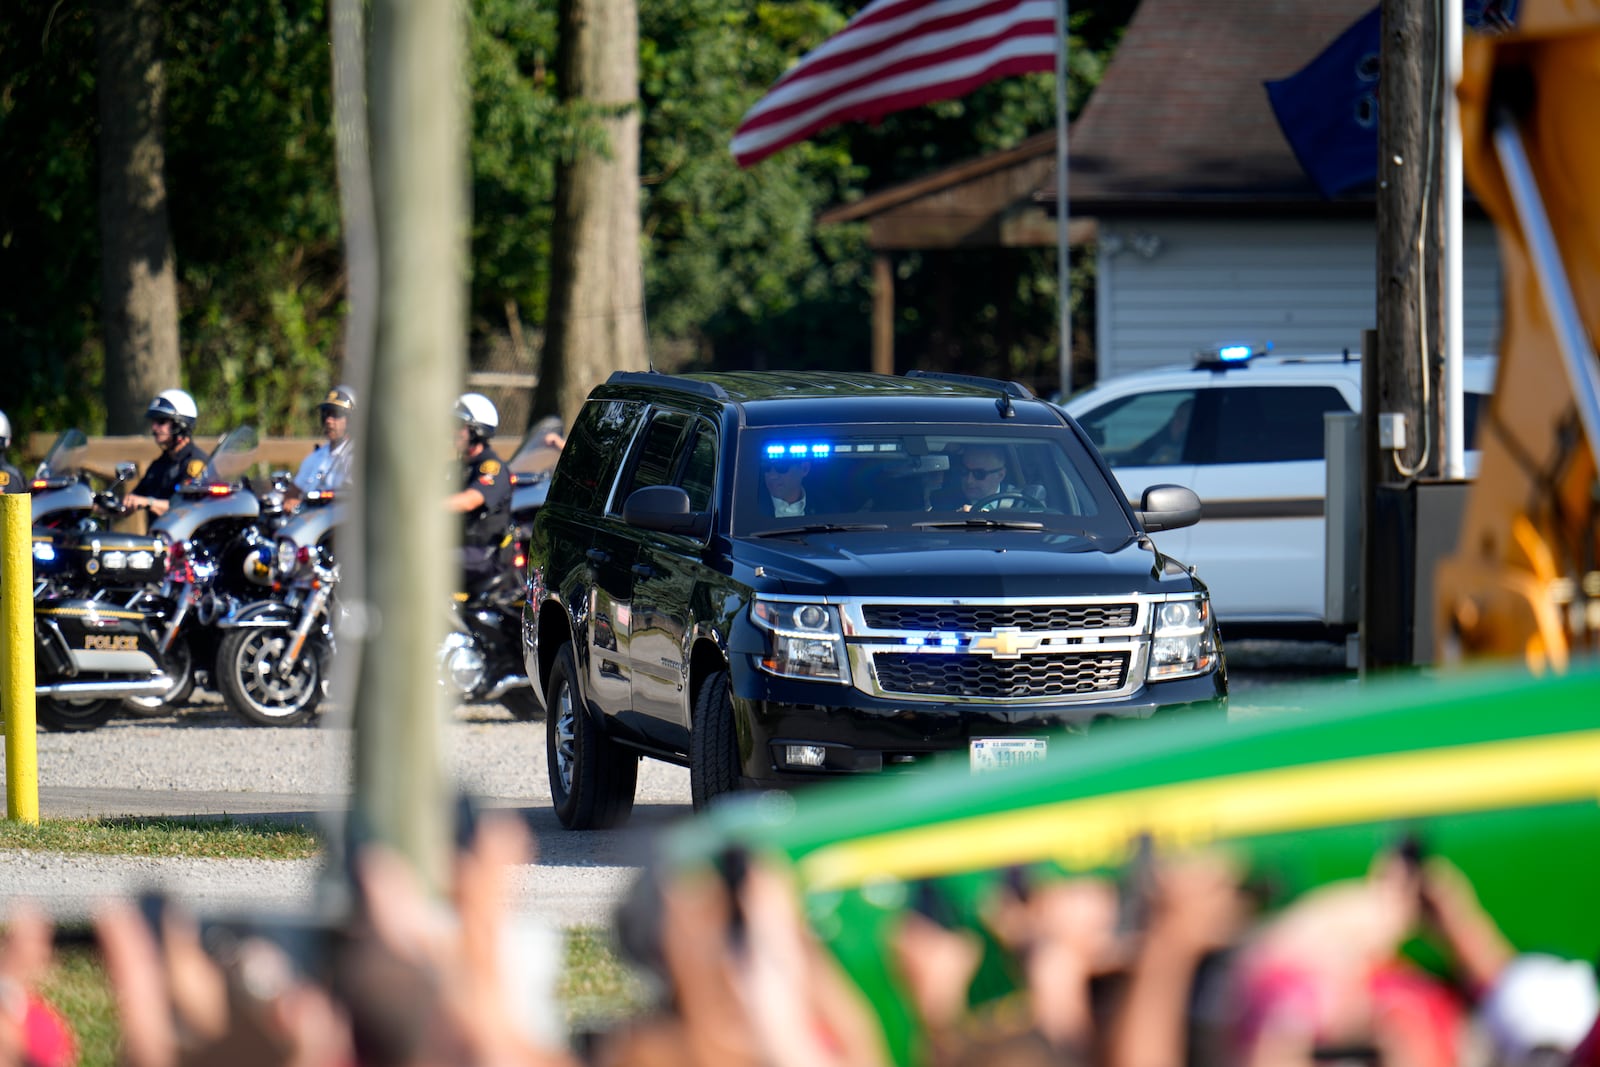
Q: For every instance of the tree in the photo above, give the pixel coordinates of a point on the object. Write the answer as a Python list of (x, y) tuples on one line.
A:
[(139, 293), (595, 321)]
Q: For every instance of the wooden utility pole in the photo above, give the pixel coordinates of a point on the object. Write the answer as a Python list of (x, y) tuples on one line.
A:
[(417, 103), (1409, 317), (595, 321)]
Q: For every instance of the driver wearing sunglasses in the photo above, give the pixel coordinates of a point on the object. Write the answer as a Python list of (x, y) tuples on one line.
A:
[(784, 480), (978, 473)]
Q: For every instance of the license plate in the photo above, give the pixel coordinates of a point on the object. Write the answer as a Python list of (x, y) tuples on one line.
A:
[(1004, 753)]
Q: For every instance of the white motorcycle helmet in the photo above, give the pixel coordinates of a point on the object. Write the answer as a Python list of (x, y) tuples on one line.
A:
[(177, 405), (5, 432), (478, 414)]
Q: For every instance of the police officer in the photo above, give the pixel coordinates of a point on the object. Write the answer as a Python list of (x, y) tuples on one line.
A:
[(328, 465), (484, 501), (11, 480), (172, 416)]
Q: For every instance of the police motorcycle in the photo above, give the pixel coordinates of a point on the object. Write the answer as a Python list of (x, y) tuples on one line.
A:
[(482, 660), (93, 613), (65, 503), (217, 537), (274, 656)]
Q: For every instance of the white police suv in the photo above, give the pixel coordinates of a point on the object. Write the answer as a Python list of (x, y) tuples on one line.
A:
[(1246, 434)]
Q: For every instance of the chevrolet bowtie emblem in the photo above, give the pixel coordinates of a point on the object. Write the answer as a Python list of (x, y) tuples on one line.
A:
[(1006, 642)]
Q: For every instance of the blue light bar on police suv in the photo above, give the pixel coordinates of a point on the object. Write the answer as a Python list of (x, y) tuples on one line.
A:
[(1232, 355)]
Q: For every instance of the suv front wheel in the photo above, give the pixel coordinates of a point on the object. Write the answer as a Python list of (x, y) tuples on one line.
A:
[(592, 780), (713, 744)]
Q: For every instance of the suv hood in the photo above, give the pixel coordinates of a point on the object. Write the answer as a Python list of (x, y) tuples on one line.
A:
[(959, 563)]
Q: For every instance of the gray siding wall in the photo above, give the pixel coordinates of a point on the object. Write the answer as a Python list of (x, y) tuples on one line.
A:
[(1168, 287)]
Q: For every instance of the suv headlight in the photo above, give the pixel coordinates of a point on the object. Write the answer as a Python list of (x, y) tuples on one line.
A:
[(803, 641), (1183, 638)]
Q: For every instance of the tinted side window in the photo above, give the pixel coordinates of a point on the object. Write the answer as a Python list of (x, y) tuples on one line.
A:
[(700, 473), (1143, 430), (1272, 423), (589, 462), (656, 457)]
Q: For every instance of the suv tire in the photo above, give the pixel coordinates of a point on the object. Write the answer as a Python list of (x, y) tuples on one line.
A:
[(713, 744), (592, 780)]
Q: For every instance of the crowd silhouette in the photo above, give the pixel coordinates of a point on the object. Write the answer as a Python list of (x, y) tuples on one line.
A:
[(1192, 967)]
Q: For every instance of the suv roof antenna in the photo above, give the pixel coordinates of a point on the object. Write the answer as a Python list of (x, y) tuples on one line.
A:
[(644, 321)]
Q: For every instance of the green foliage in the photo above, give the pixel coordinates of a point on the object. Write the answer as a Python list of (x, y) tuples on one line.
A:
[(516, 123), (728, 249), (737, 273), (49, 259), (255, 209)]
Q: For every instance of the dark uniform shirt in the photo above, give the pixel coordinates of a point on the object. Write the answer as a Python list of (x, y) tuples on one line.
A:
[(486, 526), (11, 479), (170, 471)]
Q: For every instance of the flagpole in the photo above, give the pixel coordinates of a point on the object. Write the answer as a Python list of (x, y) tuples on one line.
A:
[(1063, 215)]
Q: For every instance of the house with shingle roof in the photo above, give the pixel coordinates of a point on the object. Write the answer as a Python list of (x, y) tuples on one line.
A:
[(1207, 230)]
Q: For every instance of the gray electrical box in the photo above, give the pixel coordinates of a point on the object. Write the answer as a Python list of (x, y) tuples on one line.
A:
[(1341, 604)]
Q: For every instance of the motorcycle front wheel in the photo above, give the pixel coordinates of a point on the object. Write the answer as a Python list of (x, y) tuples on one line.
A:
[(247, 675), (73, 715)]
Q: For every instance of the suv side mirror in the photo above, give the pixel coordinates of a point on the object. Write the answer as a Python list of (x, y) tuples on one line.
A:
[(1168, 507), (665, 509)]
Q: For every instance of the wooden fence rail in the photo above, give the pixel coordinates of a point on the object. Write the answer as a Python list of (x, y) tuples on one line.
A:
[(102, 454)]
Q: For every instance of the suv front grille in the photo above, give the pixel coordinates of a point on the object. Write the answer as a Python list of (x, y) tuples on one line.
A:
[(983, 677), (939, 618)]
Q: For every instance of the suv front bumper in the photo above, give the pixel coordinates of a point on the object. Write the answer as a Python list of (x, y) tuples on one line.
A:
[(864, 734)]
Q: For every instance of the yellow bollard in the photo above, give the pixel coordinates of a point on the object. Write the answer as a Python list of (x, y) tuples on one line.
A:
[(16, 657)]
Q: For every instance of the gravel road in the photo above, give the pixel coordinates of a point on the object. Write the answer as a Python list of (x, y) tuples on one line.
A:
[(203, 761)]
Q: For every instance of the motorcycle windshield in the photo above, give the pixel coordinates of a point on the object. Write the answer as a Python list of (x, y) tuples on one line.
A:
[(64, 461), (533, 458), (235, 454)]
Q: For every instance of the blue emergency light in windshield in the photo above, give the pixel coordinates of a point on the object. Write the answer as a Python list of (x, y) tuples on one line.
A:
[(807, 450), (1230, 353)]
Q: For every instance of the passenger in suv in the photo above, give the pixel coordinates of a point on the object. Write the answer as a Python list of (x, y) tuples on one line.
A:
[(673, 613)]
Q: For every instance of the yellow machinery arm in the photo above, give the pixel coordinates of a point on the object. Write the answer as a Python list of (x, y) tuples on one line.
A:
[(1525, 578)]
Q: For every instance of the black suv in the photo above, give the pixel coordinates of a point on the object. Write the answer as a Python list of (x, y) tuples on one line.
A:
[(779, 578)]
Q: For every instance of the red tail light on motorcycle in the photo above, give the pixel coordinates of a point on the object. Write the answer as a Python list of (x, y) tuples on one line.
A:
[(180, 568)]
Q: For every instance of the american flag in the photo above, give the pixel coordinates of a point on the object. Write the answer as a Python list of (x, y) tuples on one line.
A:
[(898, 54)]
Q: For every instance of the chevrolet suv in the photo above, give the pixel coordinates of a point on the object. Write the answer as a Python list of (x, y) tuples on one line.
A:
[(777, 579)]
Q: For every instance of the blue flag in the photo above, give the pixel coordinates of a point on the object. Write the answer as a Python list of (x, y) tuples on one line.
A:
[(1328, 110)]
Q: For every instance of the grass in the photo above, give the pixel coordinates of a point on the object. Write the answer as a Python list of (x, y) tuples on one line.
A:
[(595, 986), (198, 838)]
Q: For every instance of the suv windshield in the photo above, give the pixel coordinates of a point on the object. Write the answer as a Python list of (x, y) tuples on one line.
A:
[(903, 477)]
